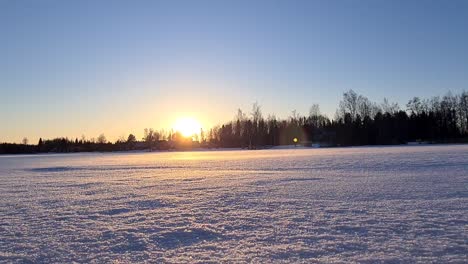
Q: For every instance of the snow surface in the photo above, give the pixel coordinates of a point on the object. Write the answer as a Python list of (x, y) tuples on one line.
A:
[(366, 205)]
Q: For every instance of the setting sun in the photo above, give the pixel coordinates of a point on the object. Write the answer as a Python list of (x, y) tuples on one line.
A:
[(187, 126)]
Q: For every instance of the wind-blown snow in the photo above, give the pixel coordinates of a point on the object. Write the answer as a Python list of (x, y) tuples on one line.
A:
[(367, 205)]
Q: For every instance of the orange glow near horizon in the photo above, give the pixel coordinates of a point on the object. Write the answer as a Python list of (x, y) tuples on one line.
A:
[(187, 126)]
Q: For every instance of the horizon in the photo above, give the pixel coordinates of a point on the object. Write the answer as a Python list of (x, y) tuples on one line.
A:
[(190, 127), (72, 69)]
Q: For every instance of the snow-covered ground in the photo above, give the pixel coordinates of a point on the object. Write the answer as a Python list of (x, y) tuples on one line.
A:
[(367, 205)]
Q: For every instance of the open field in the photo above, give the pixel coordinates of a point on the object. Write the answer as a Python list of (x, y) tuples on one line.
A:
[(367, 204)]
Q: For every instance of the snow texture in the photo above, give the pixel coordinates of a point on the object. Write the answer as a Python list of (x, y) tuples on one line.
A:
[(344, 205)]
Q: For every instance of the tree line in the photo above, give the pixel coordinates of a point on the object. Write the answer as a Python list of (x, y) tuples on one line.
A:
[(358, 121)]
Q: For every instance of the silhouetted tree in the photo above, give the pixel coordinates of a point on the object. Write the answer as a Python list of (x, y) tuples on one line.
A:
[(131, 139), (358, 121), (102, 139)]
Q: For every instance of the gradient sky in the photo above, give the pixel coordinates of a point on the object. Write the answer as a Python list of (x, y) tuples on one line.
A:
[(69, 68)]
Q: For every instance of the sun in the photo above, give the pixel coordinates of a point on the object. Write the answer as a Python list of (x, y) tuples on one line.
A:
[(187, 126)]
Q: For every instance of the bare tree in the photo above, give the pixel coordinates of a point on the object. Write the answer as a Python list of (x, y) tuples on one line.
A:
[(202, 136), (131, 138), (102, 139), (414, 106), (435, 104), (256, 113), (25, 141), (314, 115), (239, 123), (349, 104), (356, 105), (364, 107), (151, 137), (294, 118), (388, 107), (314, 110), (463, 111)]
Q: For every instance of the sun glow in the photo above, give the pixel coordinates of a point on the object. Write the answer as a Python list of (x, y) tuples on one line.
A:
[(187, 126)]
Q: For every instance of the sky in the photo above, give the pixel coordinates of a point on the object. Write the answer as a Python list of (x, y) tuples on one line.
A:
[(73, 68)]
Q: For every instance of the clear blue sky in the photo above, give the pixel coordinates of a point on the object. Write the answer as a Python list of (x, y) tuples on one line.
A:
[(69, 68)]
